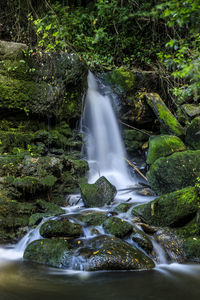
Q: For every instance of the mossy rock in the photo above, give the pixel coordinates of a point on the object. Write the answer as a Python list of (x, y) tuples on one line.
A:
[(110, 253), (60, 228), (191, 229), (98, 194), (134, 139), (117, 227), (174, 209), (179, 170), (163, 145), (193, 134), (122, 207), (51, 252), (92, 218), (165, 117), (191, 248)]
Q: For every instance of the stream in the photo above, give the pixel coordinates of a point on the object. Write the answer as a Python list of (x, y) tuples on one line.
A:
[(105, 153)]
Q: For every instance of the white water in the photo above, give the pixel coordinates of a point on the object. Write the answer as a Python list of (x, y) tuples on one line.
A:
[(105, 148)]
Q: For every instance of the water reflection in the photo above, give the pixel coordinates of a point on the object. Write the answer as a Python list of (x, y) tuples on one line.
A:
[(24, 281)]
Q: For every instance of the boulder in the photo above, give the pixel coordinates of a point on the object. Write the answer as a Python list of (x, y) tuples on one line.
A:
[(192, 110), (117, 227), (191, 248), (142, 240), (174, 209), (163, 145), (193, 134), (51, 252), (92, 218), (165, 117), (11, 50), (60, 228), (122, 207), (179, 170), (134, 139), (98, 194), (110, 253)]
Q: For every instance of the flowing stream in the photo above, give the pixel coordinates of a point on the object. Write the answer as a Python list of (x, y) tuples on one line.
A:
[(105, 153)]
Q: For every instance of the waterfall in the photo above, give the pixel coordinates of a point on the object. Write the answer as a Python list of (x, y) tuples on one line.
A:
[(105, 148)]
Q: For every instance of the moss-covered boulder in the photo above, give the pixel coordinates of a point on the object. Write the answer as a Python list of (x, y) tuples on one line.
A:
[(193, 134), (174, 209), (60, 228), (92, 218), (168, 174), (51, 252), (134, 139), (98, 194), (191, 248), (163, 145), (165, 117), (110, 253), (117, 227), (122, 207)]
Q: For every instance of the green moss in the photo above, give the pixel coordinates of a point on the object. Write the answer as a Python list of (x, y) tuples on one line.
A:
[(117, 227), (93, 219), (192, 134), (191, 248), (122, 207), (14, 139), (174, 209), (163, 145), (174, 172), (60, 228)]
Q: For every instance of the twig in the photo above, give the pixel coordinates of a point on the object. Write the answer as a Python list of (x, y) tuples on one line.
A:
[(134, 128), (134, 167)]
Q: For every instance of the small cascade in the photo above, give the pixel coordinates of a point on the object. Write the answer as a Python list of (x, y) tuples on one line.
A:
[(105, 148)]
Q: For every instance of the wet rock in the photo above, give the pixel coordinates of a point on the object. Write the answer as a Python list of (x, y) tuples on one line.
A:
[(163, 145), (142, 240), (146, 192), (98, 194), (193, 134), (93, 218), (165, 117), (148, 229), (191, 248), (174, 172), (60, 228), (51, 252), (110, 253), (174, 209), (117, 227)]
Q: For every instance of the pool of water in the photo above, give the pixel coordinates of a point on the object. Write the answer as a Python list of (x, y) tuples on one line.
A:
[(24, 281)]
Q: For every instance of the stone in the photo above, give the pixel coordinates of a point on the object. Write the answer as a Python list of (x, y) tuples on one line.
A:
[(110, 253), (193, 134), (122, 207), (51, 252), (192, 110), (117, 227), (179, 170), (11, 50), (174, 209), (191, 248), (60, 228), (163, 145), (98, 194), (165, 117), (134, 139), (92, 218), (142, 240)]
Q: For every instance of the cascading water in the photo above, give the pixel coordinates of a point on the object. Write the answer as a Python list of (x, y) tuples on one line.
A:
[(105, 148)]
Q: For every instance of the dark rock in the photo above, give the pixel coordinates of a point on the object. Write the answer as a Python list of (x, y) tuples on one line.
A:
[(60, 228), (148, 229), (98, 194), (191, 248), (122, 207), (163, 145), (110, 253), (51, 252), (134, 139), (192, 110), (174, 209), (117, 227), (142, 240), (193, 134), (174, 172)]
